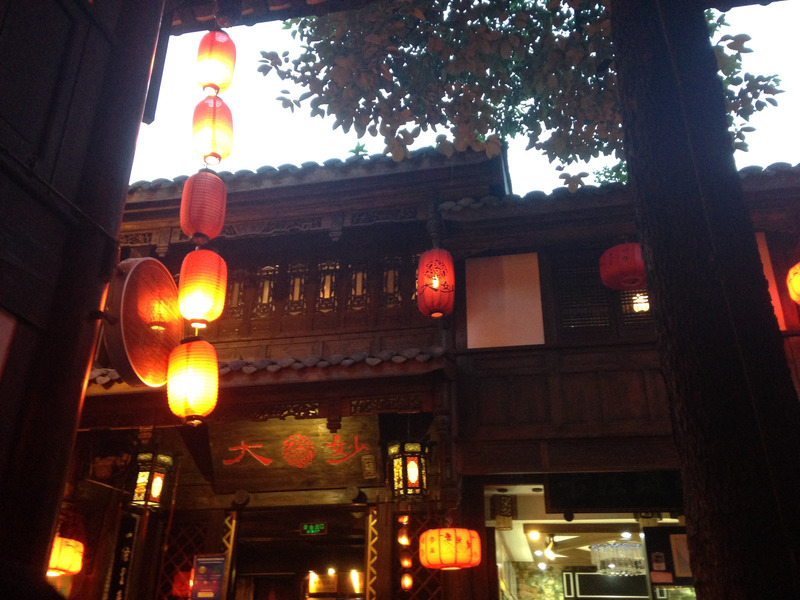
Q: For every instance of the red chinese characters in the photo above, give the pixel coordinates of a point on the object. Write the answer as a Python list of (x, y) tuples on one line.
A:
[(246, 448), (342, 451), (298, 450)]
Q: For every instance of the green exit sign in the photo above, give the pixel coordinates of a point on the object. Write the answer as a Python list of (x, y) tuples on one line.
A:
[(314, 528)]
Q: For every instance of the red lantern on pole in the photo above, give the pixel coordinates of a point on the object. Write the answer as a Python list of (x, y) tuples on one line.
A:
[(201, 287), (622, 267), (793, 283), (449, 548), (203, 206), (192, 379), (436, 284), (212, 130), (216, 58)]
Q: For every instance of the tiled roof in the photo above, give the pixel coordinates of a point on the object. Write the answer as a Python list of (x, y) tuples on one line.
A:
[(107, 377)]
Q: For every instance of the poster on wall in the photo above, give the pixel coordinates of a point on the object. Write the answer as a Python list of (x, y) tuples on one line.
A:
[(209, 573), (668, 555)]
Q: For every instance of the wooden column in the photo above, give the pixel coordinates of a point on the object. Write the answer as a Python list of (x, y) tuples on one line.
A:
[(734, 411)]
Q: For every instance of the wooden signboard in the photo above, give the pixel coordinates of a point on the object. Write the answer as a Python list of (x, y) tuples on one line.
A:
[(295, 455)]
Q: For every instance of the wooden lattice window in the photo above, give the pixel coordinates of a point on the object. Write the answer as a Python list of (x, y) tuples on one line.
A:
[(298, 279), (265, 302), (390, 290), (357, 299), (328, 275), (234, 298), (581, 298), (185, 541)]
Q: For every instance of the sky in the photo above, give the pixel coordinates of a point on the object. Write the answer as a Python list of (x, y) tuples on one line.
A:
[(265, 134)]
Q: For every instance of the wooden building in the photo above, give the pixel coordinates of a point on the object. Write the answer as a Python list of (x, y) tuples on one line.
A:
[(543, 386), (76, 77)]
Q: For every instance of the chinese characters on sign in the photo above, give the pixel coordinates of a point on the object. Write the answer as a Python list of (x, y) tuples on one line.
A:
[(299, 451)]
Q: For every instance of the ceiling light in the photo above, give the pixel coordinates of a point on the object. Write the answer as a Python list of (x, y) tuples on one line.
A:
[(534, 535), (542, 566), (626, 535)]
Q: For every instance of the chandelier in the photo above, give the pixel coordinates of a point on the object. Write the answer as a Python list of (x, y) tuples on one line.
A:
[(618, 558)]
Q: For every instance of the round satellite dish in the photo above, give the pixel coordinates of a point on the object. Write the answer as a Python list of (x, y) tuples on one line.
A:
[(144, 322)]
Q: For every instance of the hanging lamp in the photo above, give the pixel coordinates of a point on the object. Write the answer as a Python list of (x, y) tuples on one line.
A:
[(216, 58), (435, 283), (622, 267), (449, 548), (203, 206), (201, 287), (212, 130), (409, 469), (193, 379)]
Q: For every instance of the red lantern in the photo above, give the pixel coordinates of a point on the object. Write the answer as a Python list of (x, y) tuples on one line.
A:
[(436, 284), (449, 548), (203, 206), (406, 581), (192, 379), (793, 283), (212, 128), (216, 58), (201, 287), (622, 267)]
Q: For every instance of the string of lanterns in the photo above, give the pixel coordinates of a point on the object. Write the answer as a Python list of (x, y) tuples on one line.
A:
[(193, 371)]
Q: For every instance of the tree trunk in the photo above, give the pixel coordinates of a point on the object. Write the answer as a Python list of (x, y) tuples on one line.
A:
[(734, 409)]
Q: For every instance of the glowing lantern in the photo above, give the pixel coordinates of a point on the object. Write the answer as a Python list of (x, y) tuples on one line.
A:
[(150, 479), (201, 287), (622, 267), (406, 560), (449, 548), (192, 379), (203, 206), (66, 555), (212, 130), (435, 283), (406, 581), (216, 58), (793, 283), (402, 536), (409, 470)]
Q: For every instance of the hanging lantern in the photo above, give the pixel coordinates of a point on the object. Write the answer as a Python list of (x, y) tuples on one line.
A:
[(449, 548), (201, 287), (203, 206), (212, 128), (406, 560), (66, 554), (406, 581), (192, 379), (216, 58), (622, 267), (403, 537), (409, 469), (435, 283), (150, 479), (793, 283)]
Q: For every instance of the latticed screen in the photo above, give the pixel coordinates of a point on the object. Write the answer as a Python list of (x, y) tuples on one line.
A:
[(357, 299), (296, 303), (185, 541), (265, 303), (328, 275), (234, 298), (426, 583), (390, 290)]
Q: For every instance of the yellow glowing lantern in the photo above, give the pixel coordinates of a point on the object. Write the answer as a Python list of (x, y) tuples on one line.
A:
[(436, 283), (216, 57), (449, 548), (403, 537), (212, 130), (66, 554), (201, 287), (793, 283), (406, 581), (409, 470), (406, 560), (203, 206), (192, 379)]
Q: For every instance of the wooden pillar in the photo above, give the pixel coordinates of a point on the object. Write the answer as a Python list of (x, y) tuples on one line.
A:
[(82, 196), (735, 413)]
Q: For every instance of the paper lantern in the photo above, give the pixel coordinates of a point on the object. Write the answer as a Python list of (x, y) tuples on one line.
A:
[(192, 379), (212, 130), (793, 283), (201, 287), (622, 267), (406, 560), (435, 283), (203, 206), (408, 462), (406, 581), (216, 58), (66, 554), (449, 548)]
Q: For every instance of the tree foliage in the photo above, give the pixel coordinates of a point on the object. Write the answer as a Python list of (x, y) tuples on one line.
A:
[(482, 70)]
